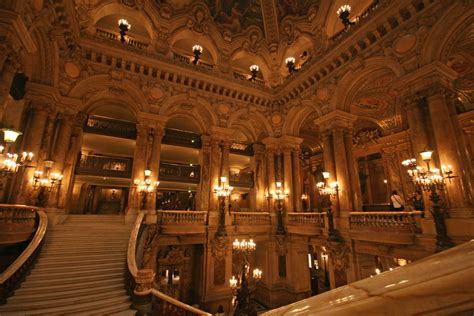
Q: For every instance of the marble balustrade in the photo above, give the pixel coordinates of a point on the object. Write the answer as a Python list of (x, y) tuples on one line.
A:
[(311, 219), (182, 217), (251, 218), (383, 221)]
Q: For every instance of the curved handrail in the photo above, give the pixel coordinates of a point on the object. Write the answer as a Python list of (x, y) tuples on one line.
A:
[(179, 304), (388, 213), (132, 245), (32, 246)]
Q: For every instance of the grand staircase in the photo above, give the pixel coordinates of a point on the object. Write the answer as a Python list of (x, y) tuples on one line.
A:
[(80, 270)]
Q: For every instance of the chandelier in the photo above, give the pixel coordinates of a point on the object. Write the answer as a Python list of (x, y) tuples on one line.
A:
[(329, 190), (197, 51), (223, 192), (11, 162), (279, 195), (146, 187), (124, 27)]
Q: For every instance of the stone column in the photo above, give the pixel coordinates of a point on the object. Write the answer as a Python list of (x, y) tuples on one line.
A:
[(259, 176), (31, 142), (213, 215), (353, 172), (139, 165), (70, 161), (204, 188), (288, 178), (328, 154), (154, 163), (297, 185), (225, 172), (61, 147), (459, 190), (6, 78), (342, 173), (270, 153)]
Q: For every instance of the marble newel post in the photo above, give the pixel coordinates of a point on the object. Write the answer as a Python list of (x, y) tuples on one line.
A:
[(61, 147), (31, 142), (139, 165), (154, 160)]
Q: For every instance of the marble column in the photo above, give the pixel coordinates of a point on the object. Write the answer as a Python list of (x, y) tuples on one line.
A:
[(328, 155), (204, 188), (154, 162), (139, 166), (259, 172), (61, 147), (342, 173), (297, 185), (356, 194), (225, 172), (31, 142), (214, 181), (288, 178), (459, 190), (417, 131), (6, 78), (270, 153)]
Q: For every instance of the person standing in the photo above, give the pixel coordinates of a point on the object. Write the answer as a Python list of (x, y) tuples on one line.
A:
[(418, 201), (397, 202)]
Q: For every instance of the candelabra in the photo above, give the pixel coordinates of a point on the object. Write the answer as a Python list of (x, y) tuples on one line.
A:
[(223, 192), (254, 71), (124, 27), (431, 180), (241, 290), (343, 12), (290, 64), (329, 191), (197, 51), (279, 195), (45, 182), (146, 187), (11, 162)]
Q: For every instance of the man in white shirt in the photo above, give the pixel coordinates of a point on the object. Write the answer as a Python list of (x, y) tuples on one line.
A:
[(397, 202)]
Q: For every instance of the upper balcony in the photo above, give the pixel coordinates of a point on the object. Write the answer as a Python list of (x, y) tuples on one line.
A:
[(307, 223), (111, 127), (385, 227), (105, 166), (242, 179), (175, 172), (181, 138)]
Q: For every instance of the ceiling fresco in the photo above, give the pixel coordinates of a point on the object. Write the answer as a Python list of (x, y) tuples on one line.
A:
[(296, 8)]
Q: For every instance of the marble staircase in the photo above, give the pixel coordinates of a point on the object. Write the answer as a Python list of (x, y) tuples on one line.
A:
[(80, 270)]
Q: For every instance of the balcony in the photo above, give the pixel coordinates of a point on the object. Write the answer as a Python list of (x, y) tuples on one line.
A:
[(251, 222), (105, 166), (311, 223), (115, 36), (110, 127), (385, 227), (241, 148), (182, 222), (187, 60), (257, 81), (181, 138), (179, 173), (242, 180)]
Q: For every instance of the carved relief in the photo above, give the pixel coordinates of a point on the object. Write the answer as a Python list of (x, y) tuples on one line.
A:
[(366, 137)]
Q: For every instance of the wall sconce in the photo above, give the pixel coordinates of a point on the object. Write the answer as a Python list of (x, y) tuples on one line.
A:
[(146, 187), (343, 12), (290, 63), (124, 27), (10, 162), (197, 51), (254, 71)]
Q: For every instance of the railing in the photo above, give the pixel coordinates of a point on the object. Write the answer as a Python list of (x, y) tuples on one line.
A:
[(10, 278), (182, 217), (251, 218), (17, 223), (256, 81), (179, 172), (106, 126), (187, 60), (115, 36), (166, 305), (181, 138), (242, 179), (304, 219), (241, 148), (384, 221), (99, 165)]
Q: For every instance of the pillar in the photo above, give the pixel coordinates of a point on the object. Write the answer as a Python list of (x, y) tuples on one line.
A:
[(139, 165), (204, 188), (342, 173), (225, 172), (154, 162), (259, 176), (214, 181), (297, 185), (356, 194), (328, 155), (288, 178)]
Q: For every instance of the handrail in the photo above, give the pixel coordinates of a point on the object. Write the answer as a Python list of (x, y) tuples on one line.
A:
[(179, 304), (132, 245), (388, 213), (30, 251), (251, 218)]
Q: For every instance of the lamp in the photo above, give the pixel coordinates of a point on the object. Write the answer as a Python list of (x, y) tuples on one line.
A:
[(329, 190), (290, 63), (241, 290), (431, 180), (343, 12), (146, 187), (279, 195), (124, 27), (254, 71), (45, 181), (11, 162), (223, 192), (197, 51)]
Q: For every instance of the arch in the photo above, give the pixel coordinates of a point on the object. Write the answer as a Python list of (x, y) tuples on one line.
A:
[(444, 34), (189, 38), (352, 81), (95, 88), (190, 121), (197, 108), (255, 123), (127, 112), (297, 116), (45, 59), (248, 60)]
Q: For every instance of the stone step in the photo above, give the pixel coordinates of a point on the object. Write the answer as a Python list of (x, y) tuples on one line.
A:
[(39, 289), (64, 303), (62, 293), (72, 253), (48, 275), (79, 279), (79, 246), (57, 263)]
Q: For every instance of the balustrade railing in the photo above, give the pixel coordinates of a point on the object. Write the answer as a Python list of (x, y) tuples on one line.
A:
[(11, 278), (115, 36), (304, 219), (101, 165), (256, 81), (106, 126), (179, 172), (242, 179), (241, 148), (182, 217), (385, 221), (17, 223), (251, 218), (181, 138), (187, 60)]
